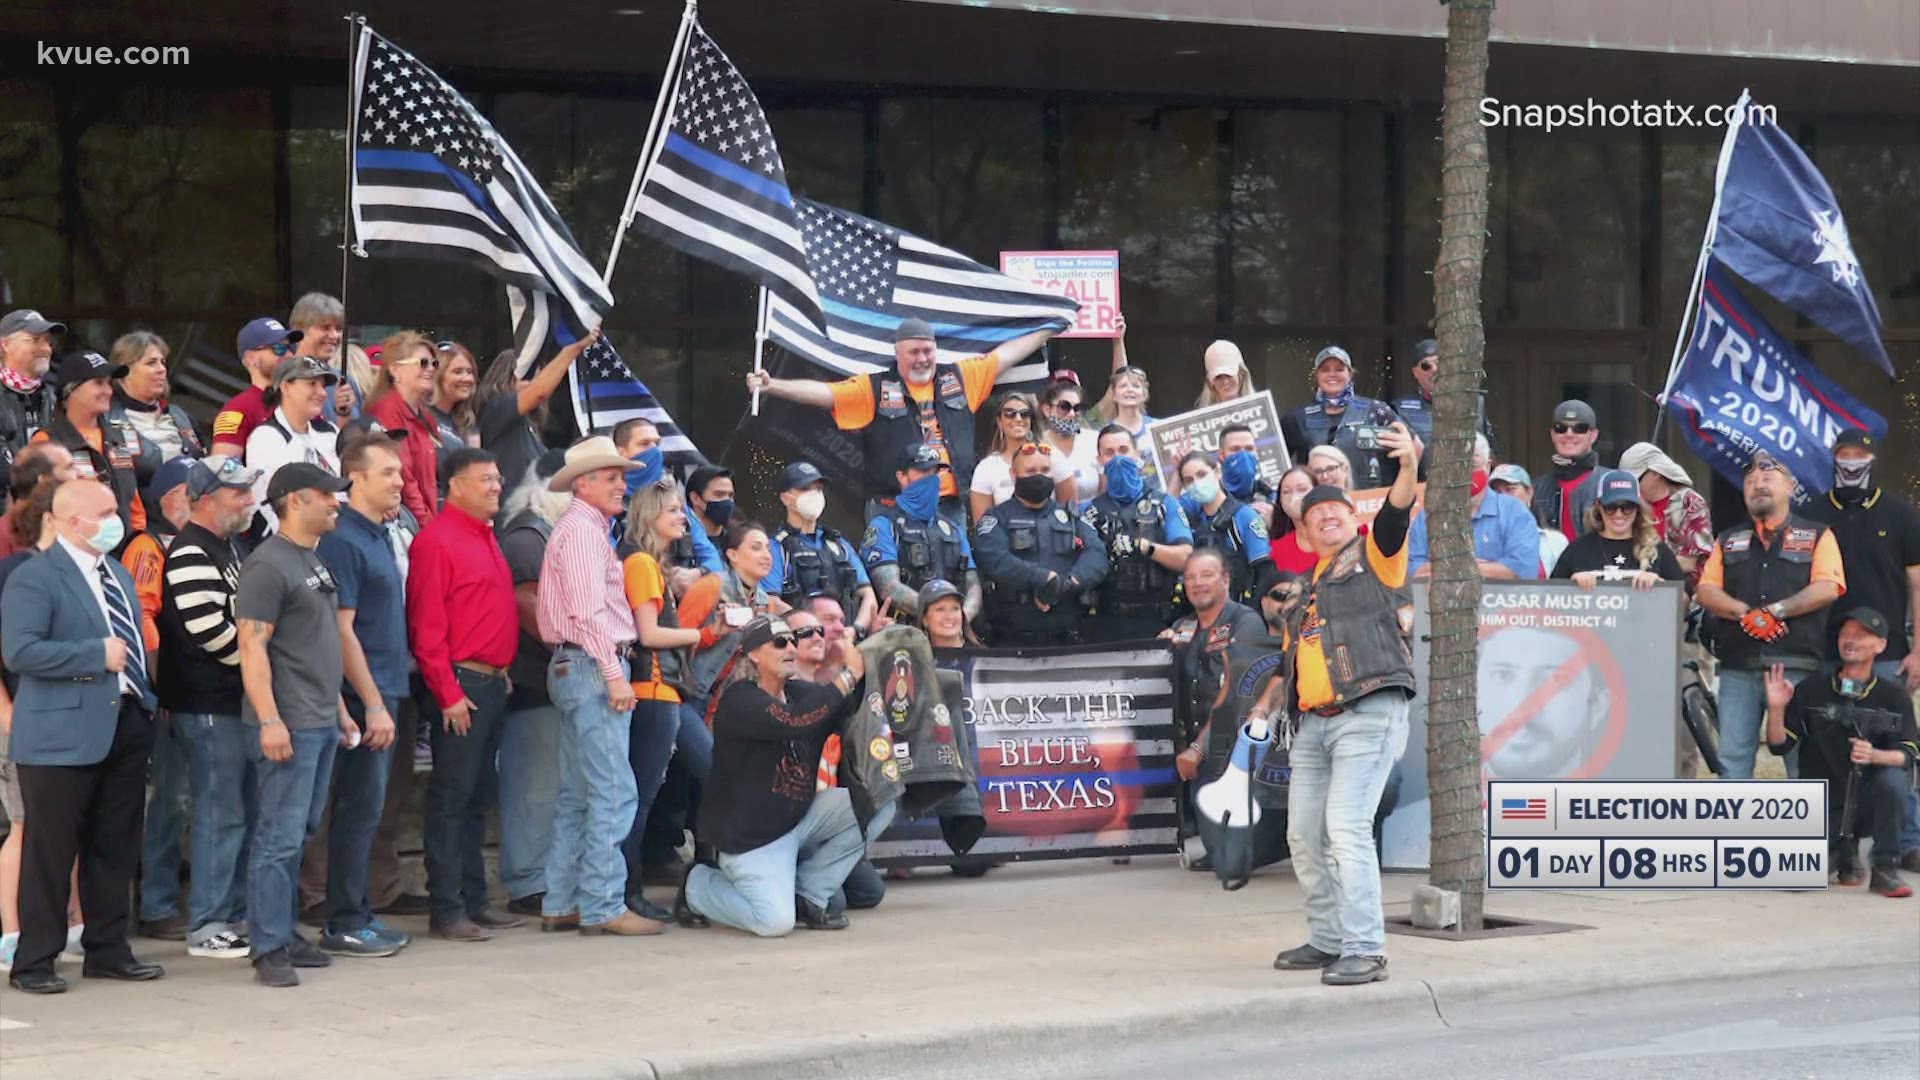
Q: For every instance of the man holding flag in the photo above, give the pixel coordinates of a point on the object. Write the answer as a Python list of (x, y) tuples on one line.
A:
[(917, 402)]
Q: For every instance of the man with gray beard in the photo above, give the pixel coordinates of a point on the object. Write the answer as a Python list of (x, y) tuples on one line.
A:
[(529, 747)]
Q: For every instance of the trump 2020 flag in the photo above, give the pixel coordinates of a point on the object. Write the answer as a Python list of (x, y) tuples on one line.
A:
[(1779, 227), (1743, 387)]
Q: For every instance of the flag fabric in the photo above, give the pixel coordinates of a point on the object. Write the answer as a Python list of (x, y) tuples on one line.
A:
[(1779, 227), (1117, 795), (872, 275), (1523, 809), (1742, 387), (716, 187), (603, 388), (432, 178)]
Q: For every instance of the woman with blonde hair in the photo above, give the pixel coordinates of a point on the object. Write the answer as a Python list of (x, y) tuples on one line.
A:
[(656, 518), (401, 392), (1621, 544), (1329, 465), (1128, 390), (992, 482), (1228, 377)]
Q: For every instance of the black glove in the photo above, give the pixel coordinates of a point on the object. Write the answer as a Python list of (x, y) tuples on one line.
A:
[(1052, 590)]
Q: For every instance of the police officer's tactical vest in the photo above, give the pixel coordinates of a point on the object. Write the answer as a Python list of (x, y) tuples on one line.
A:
[(1135, 585), (827, 570), (927, 550)]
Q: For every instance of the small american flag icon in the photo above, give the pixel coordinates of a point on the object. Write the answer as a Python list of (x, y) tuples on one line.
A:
[(1523, 809)]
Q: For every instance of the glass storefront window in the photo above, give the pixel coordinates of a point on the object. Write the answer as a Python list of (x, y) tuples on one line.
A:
[(967, 174)]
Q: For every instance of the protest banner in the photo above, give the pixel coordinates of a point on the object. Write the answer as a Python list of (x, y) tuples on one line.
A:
[(1091, 277), (1075, 751), (1171, 437), (1555, 696), (1743, 387)]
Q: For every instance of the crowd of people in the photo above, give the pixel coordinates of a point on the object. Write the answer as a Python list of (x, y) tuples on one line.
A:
[(237, 641)]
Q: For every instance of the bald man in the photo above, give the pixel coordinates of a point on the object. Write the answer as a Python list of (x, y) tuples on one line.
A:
[(82, 730)]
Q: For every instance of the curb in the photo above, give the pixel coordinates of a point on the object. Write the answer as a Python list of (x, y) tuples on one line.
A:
[(980, 1045)]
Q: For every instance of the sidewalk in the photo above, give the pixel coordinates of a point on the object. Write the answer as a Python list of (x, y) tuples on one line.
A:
[(1038, 955)]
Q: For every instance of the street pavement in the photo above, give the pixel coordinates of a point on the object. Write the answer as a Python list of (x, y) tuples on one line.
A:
[(1033, 962)]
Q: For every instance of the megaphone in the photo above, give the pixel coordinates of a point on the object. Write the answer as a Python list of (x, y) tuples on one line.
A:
[(1226, 801)]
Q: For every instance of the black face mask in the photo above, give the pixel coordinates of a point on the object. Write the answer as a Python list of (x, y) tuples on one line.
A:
[(718, 511), (1033, 488)]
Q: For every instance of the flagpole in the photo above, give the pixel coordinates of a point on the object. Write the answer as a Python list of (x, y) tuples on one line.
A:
[(668, 80), (1735, 119), (760, 347), (355, 24)]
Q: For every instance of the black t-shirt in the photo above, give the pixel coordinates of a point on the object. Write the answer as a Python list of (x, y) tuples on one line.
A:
[(766, 756), (1595, 552), (1826, 747), (508, 436), (1878, 539), (524, 548)]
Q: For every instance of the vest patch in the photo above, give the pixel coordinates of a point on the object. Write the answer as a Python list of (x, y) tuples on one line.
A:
[(1799, 541), (892, 396), (948, 385)]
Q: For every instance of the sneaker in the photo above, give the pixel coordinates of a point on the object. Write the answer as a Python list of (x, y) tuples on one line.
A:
[(1355, 971), (361, 942), (1886, 882), (400, 938), (806, 914), (303, 954), (74, 953), (1304, 958), (220, 945), (275, 969), (8, 943)]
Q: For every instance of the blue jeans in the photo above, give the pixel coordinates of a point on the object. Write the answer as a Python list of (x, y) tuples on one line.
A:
[(593, 810), (359, 797), (464, 785), (529, 783), (652, 732), (754, 890), (220, 753), (292, 795), (168, 812), (1741, 706), (1340, 766), (865, 886)]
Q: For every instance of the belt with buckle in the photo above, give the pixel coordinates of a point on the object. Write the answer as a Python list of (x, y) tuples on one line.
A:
[(480, 668), (1327, 710)]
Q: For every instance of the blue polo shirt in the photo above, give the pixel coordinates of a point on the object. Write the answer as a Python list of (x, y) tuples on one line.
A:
[(368, 576), (1503, 531), (777, 576)]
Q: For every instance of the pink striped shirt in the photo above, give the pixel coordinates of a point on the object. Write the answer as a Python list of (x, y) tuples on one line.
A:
[(583, 599)]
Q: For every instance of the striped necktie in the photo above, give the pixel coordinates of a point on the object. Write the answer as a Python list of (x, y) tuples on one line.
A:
[(127, 628)]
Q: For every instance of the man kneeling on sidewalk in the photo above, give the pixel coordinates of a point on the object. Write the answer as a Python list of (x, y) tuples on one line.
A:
[(782, 849)]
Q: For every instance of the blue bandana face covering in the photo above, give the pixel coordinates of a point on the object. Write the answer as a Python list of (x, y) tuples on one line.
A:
[(1239, 472), (1123, 478), (652, 465), (1338, 401), (921, 499)]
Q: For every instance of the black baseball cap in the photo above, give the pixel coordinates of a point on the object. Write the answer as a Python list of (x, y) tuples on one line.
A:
[(302, 476), (798, 474), (921, 456), (1424, 348), (1869, 620), (1323, 493), (1854, 437), (762, 629), (171, 474), (1575, 411), (938, 589), (30, 321), (77, 367)]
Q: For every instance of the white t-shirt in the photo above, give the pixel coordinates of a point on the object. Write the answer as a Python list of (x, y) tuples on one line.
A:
[(993, 477), (267, 450), (1084, 461)]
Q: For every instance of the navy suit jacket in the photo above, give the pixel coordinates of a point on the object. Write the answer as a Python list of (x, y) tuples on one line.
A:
[(53, 635)]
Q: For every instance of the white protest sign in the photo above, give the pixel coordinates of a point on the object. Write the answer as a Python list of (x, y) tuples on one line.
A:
[(1091, 277)]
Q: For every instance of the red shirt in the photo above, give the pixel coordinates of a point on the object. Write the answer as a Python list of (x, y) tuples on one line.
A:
[(242, 413), (420, 488), (1287, 555), (460, 602)]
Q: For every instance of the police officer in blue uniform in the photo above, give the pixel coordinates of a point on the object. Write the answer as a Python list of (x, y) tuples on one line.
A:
[(1148, 541), (1223, 522), (1040, 562), (1417, 409), (913, 543), (1342, 418), (810, 559)]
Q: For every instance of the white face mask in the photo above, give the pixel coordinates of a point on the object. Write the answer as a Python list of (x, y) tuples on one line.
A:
[(810, 504)]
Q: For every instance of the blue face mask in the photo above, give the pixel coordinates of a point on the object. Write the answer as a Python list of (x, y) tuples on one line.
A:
[(1203, 491), (1123, 478), (652, 465), (921, 498), (1239, 472), (108, 536), (1194, 510)]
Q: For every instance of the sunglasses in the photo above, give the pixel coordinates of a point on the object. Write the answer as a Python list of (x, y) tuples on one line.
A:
[(1426, 365), (1621, 508), (1766, 466), (1032, 448), (1066, 406), (1017, 414), (806, 632), (430, 365), (1572, 429), (280, 348), (784, 641)]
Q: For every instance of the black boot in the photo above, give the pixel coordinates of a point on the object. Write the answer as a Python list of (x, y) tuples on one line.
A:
[(683, 912), (813, 918)]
